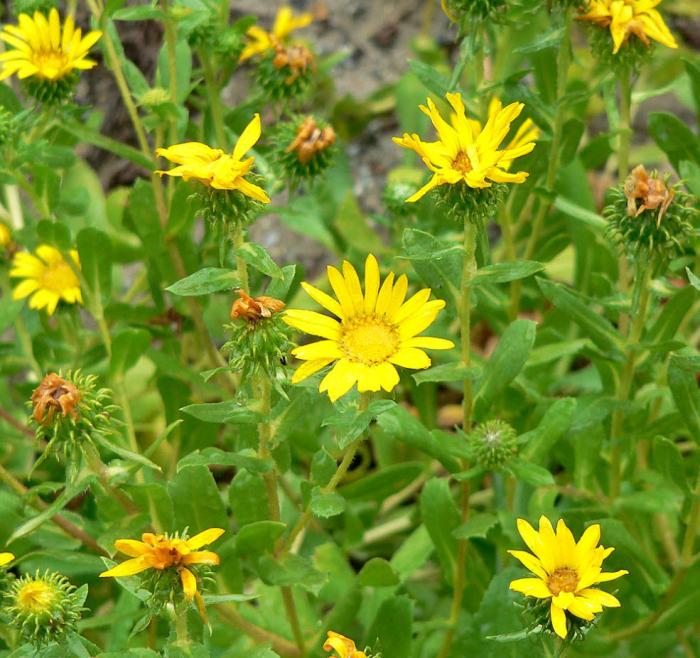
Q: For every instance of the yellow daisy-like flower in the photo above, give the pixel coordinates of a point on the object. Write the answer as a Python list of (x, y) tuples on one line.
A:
[(164, 552), (48, 278), (6, 558), (215, 168), (627, 17), (375, 331), (343, 646), (465, 151), (565, 570), (41, 48), (261, 41)]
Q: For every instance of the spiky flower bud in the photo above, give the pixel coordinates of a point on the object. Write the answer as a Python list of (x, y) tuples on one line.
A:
[(493, 444), (43, 608), (305, 147), (228, 209), (648, 218), (462, 11), (286, 73), (72, 415), (51, 92), (258, 339), (479, 205)]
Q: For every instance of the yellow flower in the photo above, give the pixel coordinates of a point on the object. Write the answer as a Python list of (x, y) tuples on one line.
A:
[(6, 558), (465, 151), (41, 48), (213, 167), (164, 552), (627, 17), (565, 571), (285, 23), (344, 646), (48, 278), (5, 235), (374, 332)]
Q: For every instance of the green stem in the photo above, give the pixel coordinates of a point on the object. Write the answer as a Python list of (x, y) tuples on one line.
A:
[(181, 630), (469, 267), (691, 530), (238, 240), (563, 62), (640, 303), (341, 471), (214, 95)]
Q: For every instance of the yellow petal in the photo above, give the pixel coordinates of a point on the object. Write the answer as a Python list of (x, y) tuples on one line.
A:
[(341, 291), (131, 547), (128, 568), (323, 299), (530, 562), (599, 596), (201, 557), (531, 587), (204, 538), (321, 349), (6, 558), (352, 283), (189, 583), (248, 138), (429, 343), (410, 357), (371, 283), (558, 620), (312, 323), (339, 380), (308, 368)]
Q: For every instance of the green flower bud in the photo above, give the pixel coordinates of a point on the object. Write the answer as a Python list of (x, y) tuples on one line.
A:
[(648, 218), (304, 148), (44, 607), (51, 92), (493, 444), (258, 339), (71, 414), (479, 204), (287, 72)]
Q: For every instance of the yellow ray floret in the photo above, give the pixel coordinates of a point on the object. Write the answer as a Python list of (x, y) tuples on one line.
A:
[(373, 331), (47, 277), (165, 552), (260, 41), (466, 152), (40, 47), (565, 571), (343, 646), (628, 17), (6, 558), (215, 168)]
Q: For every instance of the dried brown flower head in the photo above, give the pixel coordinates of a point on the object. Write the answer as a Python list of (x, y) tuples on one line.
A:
[(650, 190), (55, 394), (311, 139), (296, 57), (253, 309)]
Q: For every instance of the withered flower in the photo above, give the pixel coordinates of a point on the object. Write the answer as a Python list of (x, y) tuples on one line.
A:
[(55, 394), (297, 57), (253, 309), (650, 190), (310, 140)]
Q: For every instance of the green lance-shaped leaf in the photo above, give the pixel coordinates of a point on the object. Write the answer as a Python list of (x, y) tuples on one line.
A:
[(440, 517), (684, 388), (556, 421), (205, 282), (95, 251)]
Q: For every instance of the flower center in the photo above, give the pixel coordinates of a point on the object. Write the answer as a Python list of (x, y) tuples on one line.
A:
[(51, 63), (563, 580), (35, 597), (462, 163), (58, 277), (369, 339)]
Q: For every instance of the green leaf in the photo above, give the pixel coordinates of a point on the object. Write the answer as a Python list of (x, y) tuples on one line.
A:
[(279, 288), (127, 348), (556, 421), (95, 251), (107, 144), (196, 500), (684, 388), (505, 363), (257, 257), (326, 504), (438, 263), (401, 426), (674, 138), (693, 71), (667, 460), (572, 209), (391, 631), (352, 423), (259, 537), (352, 225), (477, 526), (205, 282), (447, 372), (530, 473), (377, 572), (246, 458), (55, 234), (382, 483), (600, 331), (434, 81), (221, 412), (550, 39), (692, 279), (141, 13), (441, 516), (504, 272), (290, 570)]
